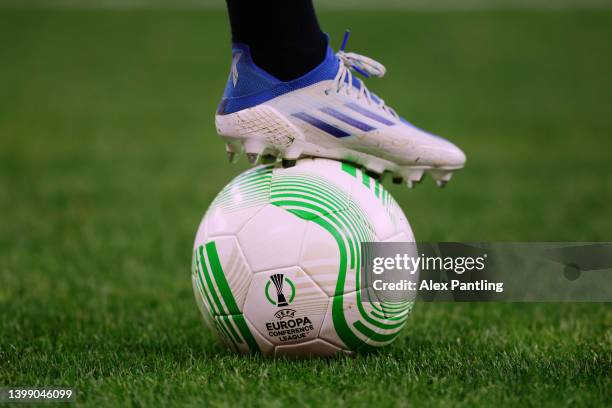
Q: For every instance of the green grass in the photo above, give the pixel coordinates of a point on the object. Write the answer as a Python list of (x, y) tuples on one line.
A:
[(108, 159)]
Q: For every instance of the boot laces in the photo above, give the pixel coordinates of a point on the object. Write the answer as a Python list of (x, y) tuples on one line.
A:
[(367, 67)]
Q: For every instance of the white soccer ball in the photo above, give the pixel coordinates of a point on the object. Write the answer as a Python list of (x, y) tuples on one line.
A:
[(276, 261)]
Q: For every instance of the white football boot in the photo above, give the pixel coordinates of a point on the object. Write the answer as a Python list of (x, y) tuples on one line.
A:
[(329, 113)]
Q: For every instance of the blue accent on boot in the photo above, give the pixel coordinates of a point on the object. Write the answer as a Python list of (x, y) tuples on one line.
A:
[(248, 85), (324, 126)]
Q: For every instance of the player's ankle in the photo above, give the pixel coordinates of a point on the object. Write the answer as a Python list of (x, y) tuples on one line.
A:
[(284, 37)]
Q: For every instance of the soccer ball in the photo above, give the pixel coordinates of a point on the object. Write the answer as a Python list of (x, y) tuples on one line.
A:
[(276, 260)]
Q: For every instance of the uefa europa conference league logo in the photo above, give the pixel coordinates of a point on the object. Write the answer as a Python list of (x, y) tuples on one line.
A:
[(278, 280), (287, 327)]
